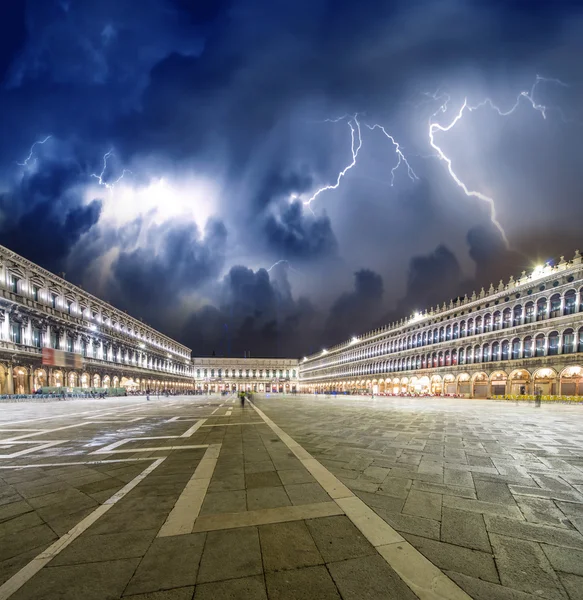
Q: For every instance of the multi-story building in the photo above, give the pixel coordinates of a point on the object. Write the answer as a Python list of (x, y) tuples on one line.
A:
[(515, 338), (40, 310), (249, 374)]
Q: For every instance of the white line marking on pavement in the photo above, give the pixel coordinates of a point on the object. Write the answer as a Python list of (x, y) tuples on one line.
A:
[(195, 427), (187, 508), (66, 416), (188, 433), (422, 576), (152, 448), (229, 424), (39, 446), (36, 564), (81, 462)]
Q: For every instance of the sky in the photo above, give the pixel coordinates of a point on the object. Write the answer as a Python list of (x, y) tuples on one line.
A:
[(275, 177)]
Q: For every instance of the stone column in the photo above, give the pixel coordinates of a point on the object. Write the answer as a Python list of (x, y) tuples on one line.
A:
[(9, 380)]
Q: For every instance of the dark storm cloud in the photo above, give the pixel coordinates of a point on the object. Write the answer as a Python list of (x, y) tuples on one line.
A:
[(356, 311), (176, 259), (297, 234), (240, 88), (252, 313), (44, 215)]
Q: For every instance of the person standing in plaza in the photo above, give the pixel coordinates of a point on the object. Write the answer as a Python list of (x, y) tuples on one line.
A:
[(148, 394)]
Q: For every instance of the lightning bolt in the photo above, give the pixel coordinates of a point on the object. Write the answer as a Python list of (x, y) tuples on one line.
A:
[(37, 143), (283, 260), (400, 156), (100, 178), (355, 134), (435, 127)]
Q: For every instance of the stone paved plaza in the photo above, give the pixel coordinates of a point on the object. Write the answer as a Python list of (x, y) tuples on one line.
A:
[(290, 498)]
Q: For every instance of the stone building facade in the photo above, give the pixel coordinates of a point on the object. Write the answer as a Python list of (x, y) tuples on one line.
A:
[(40, 310), (515, 338), (250, 374)]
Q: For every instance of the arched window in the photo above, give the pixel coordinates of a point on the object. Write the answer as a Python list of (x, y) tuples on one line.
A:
[(541, 309), (555, 309), (455, 332), (463, 329), (447, 359), (517, 316), (441, 360), (441, 334), (477, 354), (504, 355), (497, 321), (515, 349), (580, 340), (495, 351), (448, 333), (570, 306), (424, 338), (507, 318), (478, 328), (469, 355), (435, 364), (527, 347), (539, 347), (529, 312), (470, 327), (487, 323), (435, 336), (568, 341), (553, 347), (485, 353), (454, 357), (461, 356)]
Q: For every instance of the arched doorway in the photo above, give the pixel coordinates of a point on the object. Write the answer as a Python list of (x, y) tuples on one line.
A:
[(464, 385), (57, 377), (20, 378), (72, 379), (39, 379), (436, 385), (520, 382), (498, 383), (96, 381), (571, 381), (545, 380), (85, 379), (449, 387), (480, 385)]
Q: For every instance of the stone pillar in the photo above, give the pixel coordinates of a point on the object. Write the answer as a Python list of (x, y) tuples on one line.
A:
[(9, 380)]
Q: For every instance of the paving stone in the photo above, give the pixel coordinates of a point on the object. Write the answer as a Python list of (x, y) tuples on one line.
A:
[(223, 483), (230, 554), (489, 508), (567, 560), (20, 522), (534, 532), (423, 504), (262, 479), (233, 589), (368, 577), (288, 546), (13, 509), (441, 488), (93, 581), (408, 524), (542, 510), (302, 584), (376, 474), (338, 539), (224, 502), (464, 528), (464, 560), (259, 467), (484, 590), (573, 584), (522, 565), (107, 547), (18, 542), (183, 593), (389, 503), (170, 562), (488, 491), (306, 493), (395, 486), (268, 497)]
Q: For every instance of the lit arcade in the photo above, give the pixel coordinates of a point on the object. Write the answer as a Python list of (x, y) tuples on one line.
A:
[(515, 338)]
